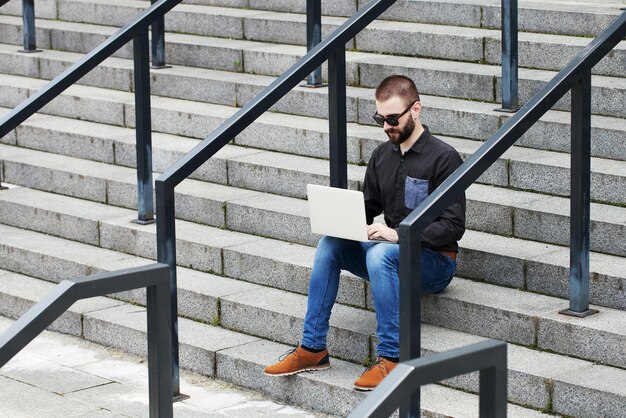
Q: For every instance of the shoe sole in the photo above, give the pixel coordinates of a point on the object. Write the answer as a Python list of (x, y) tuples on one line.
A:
[(308, 369), (363, 388)]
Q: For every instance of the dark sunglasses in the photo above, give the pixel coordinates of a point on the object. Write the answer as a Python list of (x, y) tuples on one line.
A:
[(392, 120)]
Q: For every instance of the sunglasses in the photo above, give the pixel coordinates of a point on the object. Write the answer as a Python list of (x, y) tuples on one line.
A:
[(392, 120)]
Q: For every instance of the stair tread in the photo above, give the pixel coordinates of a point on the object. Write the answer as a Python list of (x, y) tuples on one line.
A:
[(227, 342)]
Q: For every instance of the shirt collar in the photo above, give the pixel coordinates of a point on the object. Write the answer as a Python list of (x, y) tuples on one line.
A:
[(419, 144)]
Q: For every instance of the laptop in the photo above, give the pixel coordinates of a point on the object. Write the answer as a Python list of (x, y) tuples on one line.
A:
[(337, 213)]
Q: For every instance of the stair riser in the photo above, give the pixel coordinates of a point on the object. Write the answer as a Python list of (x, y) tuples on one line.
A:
[(484, 87), (608, 138)]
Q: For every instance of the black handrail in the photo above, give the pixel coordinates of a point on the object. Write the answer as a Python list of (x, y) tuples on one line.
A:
[(137, 31), (81, 67), (154, 277), (331, 49), (575, 76), (488, 357)]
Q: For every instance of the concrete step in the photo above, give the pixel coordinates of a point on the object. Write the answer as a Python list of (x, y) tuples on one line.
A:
[(510, 262), (510, 314), (443, 78), (551, 52), (578, 17), (552, 386), (444, 116), (519, 168), (491, 209), (237, 358)]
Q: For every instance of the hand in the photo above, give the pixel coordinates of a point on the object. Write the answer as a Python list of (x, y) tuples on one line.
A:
[(380, 231)]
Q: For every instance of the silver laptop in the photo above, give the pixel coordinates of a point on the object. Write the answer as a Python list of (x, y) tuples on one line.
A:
[(337, 212)]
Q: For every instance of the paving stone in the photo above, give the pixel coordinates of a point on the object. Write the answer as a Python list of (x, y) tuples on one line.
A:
[(48, 375), (47, 405)]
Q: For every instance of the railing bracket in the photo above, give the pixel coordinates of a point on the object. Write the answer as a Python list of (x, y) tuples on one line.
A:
[(143, 222), (582, 314), (314, 86), (180, 397), (28, 51), (159, 67), (504, 110)]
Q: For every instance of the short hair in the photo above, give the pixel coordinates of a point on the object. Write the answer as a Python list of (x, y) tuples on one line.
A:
[(397, 85)]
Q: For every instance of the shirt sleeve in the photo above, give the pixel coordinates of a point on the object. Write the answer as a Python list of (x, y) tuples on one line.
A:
[(371, 192), (444, 232)]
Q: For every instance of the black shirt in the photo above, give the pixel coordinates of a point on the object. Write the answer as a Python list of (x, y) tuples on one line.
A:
[(396, 184)]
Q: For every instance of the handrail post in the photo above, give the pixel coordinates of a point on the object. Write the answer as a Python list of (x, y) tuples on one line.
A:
[(337, 120), (143, 129), (166, 253), (29, 31), (580, 205), (159, 349), (314, 37), (492, 387), (510, 100), (2, 175), (410, 313), (158, 42)]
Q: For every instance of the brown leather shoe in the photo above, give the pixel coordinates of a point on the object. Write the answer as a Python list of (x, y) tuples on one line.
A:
[(299, 360), (374, 374)]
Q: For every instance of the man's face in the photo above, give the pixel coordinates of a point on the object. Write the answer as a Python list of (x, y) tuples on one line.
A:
[(391, 108)]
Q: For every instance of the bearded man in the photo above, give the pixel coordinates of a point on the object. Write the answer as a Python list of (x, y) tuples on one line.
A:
[(400, 174)]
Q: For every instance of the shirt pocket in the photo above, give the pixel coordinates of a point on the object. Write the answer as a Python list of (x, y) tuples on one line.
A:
[(415, 191)]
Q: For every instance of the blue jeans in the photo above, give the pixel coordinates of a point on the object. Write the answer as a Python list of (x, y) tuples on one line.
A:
[(377, 263)]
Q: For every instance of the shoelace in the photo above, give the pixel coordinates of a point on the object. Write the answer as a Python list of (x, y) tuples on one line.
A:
[(379, 363), (285, 355)]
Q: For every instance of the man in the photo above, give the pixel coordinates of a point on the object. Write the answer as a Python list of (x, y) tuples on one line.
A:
[(400, 174)]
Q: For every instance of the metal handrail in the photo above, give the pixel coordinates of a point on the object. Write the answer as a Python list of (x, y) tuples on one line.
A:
[(137, 31), (81, 67), (576, 76), (488, 357), (154, 277), (331, 49)]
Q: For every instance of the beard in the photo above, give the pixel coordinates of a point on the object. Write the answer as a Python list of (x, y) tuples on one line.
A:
[(398, 136)]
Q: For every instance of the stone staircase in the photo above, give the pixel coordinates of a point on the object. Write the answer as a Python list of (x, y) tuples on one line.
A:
[(244, 245)]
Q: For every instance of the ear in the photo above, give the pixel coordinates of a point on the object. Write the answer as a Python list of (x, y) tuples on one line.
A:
[(416, 109)]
